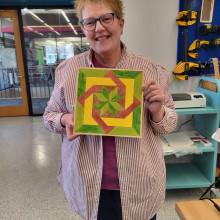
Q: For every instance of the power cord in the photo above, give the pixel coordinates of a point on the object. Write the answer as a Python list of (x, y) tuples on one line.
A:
[(210, 187), (185, 122), (215, 204)]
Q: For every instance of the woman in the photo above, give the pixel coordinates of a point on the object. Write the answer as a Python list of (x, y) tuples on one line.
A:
[(106, 177)]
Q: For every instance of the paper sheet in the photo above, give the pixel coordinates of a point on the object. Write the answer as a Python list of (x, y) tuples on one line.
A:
[(178, 139), (165, 146)]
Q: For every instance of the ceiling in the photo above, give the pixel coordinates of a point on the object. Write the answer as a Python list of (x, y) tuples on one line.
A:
[(52, 17), (34, 2), (59, 19), (49, 27)]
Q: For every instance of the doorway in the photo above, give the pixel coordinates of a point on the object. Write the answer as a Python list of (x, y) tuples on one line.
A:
[(13, 92)]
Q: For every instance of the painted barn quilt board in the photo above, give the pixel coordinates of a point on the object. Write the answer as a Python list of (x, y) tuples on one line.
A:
[(109, 102)]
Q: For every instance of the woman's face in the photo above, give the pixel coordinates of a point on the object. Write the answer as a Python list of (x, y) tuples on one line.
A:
[(104, 41)]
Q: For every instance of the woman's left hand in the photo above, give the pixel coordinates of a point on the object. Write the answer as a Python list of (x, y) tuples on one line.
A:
[(154, 98)]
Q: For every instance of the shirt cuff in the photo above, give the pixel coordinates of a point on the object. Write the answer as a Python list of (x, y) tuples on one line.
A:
[(58, 124), (167, 124), (160, 122)]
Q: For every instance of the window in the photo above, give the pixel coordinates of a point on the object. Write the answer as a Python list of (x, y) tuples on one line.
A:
[(51, 36)]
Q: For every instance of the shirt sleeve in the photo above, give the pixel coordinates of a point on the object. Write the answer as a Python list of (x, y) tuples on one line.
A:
[(169, 121), (56, 106)]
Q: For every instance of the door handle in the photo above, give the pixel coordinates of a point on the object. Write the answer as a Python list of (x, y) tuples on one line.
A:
[(22, 76)]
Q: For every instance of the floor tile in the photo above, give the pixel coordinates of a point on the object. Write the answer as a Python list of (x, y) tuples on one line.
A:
[(29, 163)]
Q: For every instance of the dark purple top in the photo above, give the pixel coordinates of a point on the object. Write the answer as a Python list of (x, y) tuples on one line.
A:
[(110, 170)]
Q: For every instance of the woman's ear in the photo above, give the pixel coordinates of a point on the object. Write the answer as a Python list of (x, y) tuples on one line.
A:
[(121, 23)]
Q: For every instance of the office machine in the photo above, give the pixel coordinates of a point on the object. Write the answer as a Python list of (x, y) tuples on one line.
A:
[(189, 100)]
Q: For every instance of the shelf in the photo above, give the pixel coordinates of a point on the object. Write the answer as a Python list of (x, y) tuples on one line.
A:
[(185, 175), (201, 171), (197, 144), (207, 110), (205, 149)]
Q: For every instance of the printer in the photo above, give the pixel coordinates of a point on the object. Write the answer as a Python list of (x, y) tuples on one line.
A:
[(189, 100)]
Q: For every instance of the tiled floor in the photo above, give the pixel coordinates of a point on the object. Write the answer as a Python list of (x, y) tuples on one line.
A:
[(29, 162)]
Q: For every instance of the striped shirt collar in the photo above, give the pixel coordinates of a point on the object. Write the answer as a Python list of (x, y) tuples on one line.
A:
[(124, 51)]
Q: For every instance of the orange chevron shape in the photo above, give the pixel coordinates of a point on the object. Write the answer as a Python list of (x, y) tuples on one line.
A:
[(89, 92), (101, 123), (130, 109), (116, 80)]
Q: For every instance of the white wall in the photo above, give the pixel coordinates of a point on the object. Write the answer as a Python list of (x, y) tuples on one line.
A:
[(151, 29)]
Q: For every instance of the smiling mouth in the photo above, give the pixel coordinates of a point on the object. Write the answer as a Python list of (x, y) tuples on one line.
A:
[(102, 38)]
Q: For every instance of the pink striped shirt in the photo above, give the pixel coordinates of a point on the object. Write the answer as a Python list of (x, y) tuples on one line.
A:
[(141, 166)]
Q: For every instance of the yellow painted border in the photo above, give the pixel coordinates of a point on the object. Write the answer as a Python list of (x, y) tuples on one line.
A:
[(126, 122)]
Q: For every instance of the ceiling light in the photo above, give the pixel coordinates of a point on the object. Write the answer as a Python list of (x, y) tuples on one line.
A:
[(68, 21), (49, 26), (36, 16), (64, 15), (36, 32), (29, 28), (75, 32), (57, 33), (73, 29), (8, 19)]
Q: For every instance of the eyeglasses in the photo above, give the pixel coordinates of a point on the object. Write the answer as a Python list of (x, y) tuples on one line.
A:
[(105, 20)]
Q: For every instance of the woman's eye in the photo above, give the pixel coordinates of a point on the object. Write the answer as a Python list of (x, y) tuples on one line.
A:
[(106, 19), (89, 23)]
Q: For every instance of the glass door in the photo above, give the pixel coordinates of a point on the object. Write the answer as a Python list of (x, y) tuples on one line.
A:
[(13, 93), (51, 36)]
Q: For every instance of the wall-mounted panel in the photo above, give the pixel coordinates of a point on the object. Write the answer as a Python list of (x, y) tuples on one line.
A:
[(207, 51)]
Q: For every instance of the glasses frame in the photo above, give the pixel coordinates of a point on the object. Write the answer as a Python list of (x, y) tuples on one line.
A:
[(98, 19)]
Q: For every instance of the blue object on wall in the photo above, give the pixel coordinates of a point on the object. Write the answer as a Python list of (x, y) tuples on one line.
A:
[(204, 55), (35, 2)]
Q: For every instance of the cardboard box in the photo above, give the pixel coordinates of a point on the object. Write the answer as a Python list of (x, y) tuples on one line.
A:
[(209, 85)]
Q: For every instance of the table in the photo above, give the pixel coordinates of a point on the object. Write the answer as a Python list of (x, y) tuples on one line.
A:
[(198, 210)]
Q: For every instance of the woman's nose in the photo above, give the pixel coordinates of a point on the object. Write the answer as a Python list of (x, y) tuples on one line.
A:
[(99, 26)]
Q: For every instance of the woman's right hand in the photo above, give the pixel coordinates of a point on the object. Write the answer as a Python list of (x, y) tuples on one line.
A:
[(67, 121)]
